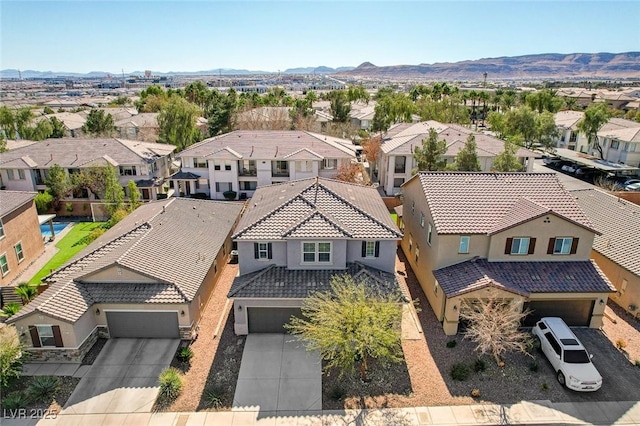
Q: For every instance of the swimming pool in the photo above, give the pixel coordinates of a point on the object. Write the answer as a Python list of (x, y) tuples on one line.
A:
[(45, 229)]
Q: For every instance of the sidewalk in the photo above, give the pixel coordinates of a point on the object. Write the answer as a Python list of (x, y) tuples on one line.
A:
[(526, 412)]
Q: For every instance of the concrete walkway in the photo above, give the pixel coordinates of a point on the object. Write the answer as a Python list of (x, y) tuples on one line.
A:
[(526, 412), (54, 369)]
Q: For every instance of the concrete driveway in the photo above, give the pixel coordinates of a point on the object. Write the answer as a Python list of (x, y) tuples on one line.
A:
[(124, 377), (278, 374)]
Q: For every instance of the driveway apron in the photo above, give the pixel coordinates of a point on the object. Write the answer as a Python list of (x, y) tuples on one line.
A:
[(124, 377), (278, 374)]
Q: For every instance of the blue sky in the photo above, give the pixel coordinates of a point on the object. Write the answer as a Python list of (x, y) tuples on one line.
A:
[(83, 36)]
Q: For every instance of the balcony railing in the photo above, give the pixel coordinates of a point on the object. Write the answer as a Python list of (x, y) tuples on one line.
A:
[(248, 172), (280, 172)]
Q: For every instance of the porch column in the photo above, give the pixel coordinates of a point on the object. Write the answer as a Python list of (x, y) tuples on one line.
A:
[(53, 233), (451, 316)]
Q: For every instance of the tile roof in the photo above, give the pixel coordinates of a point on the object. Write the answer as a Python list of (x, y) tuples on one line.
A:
[(480, 203), (619, 222), (68, 152), (11, 200), (71, 120), (269, 145), (280, 282), (316, 207), (568, 119), (144, 242), (523, 277), (402, 139)]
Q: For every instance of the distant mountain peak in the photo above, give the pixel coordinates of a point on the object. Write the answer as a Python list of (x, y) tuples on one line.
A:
[(365, 65)]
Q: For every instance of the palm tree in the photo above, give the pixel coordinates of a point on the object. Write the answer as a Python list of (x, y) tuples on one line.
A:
[(484, 97), (27, 292)]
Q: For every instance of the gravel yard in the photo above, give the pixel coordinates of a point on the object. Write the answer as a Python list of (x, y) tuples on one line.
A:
[(620, 326), (425, 380)]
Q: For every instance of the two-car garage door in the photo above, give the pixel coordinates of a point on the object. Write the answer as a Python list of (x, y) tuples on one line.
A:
[(147, 324), (270, 320), (573, 312)]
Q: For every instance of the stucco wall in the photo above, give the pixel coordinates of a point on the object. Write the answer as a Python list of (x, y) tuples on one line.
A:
[(338, 255), (386, 260), (20, 226), (26, 184), (617, 275), (248, 263)]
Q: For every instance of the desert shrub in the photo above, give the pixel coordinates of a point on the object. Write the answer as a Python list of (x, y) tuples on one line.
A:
[(475, 393), (544, 386), (451, 344), (43, 387), (94, 235), (621, 344), (15, 401), (230, 195), (10, 355), (185, 354), (43, 202), (337, 392), (479, 365), (170, 383), (214, 396), (533, 367), (459, 372), (637, 362), (10, 309)]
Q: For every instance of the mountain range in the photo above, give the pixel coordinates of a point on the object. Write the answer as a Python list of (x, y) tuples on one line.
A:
[(534, 67)]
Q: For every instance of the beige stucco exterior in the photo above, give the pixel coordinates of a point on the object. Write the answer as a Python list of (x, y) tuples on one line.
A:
[(627, 284)]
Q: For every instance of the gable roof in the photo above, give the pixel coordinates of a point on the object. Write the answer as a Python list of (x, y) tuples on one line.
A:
[(12, 200), (172, 242), (483, 203), (619, 221), (269, 145), (568, 119), (69, 153), (316, 207), (403, 139), (523, 277)]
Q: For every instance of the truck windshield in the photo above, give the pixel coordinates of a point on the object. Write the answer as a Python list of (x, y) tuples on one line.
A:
[(576, 357)]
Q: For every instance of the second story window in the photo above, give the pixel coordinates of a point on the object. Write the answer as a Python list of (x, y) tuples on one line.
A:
[(19, 252), (280, 168), (316, 252), (429, 233), (413, 207), (464, 245), (1, 229), (520, 245), (15, 174), (247, 168), (4, 265), (417, 253), (216, 165), (562, 245), (615, 144), (370, 248), (422, 219), (330, 163), (200, 163), (128, 171), (262, 251)]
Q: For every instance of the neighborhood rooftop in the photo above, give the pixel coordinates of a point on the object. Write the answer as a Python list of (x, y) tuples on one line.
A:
[(619, 222), (264, 144), (151, 242), (70, 153), (482, 203), (316, 207), (11, 200)]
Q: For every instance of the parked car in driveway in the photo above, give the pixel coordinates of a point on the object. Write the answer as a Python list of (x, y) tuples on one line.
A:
[(632, 187), (569, 358)]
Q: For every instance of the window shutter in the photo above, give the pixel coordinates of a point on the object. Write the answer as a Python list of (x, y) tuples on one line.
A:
[(269, 251), (574, 245), (552, 242), (507, 246), (35, 339), (57, 336), (532, 245), (364, 249), (255, 250), (377, 248)]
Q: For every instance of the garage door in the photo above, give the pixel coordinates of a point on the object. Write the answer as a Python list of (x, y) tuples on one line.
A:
[(573, 312), (158, 325), (270, 320)]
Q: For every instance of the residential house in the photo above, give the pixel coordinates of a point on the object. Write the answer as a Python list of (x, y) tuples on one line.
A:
[(521, 234), (617, 249), (396, 162), (20, 238), (620, 141), (148, 164), (293, 237), (244, 160), (142, 127), (569, 135), (149, 276), (72, 121)]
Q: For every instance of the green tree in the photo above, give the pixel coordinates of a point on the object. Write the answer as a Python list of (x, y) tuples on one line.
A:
[(429, 155), (507, 161), (113, 192), (41, 131), (220, 111), (151, 99), (467, 158), (197, 93), (58, 185), (350, 325), (43, 202), (546, 130), (98, 123), (595, 116), (358, 93), (8, 122), (48, 110), (27, 292), (134, 195), (24, 117), (10, 355), (58, 128), (177, 122), (340, 106)]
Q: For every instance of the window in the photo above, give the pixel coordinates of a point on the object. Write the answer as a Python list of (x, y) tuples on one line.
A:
[(280, 168), (520, 245), (15, 174), (623, 287), (553, 342), (630, 147), (573, 137), (615, 144), (128, 171), (227, 164), (410, 242), (200, 163), (400, 162), (19, 252), (216, 165), (316, 252), (397, 182), (248, 185), (413, 207), (330, 163), (247, 168), (262, 251), (421, 219), (1, 229), (562, 245), (4, 265), (223, 186), (429, 233), (45, 332), (464, 245), (417, 253), (370, 249)]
